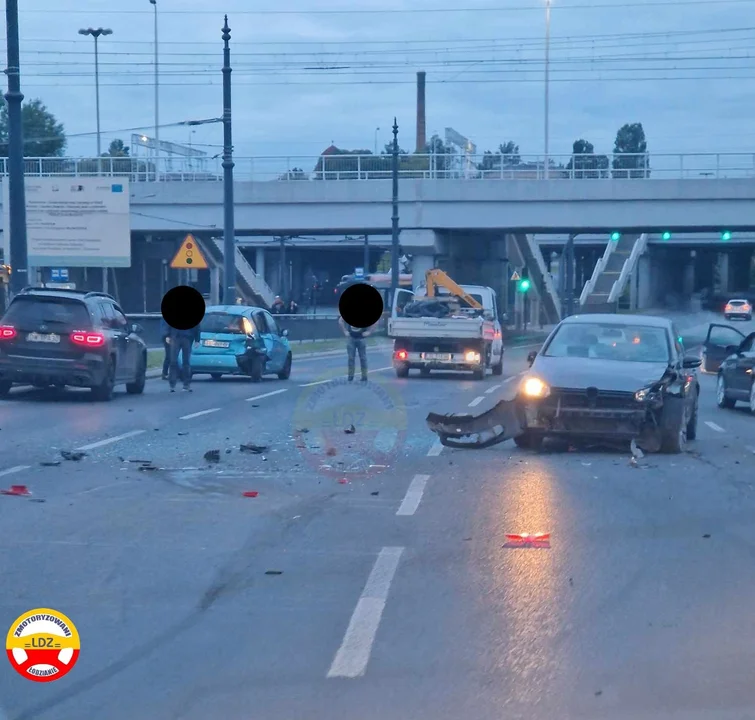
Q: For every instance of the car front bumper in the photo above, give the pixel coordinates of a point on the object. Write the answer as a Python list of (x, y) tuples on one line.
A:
[(586, 422), (225, 363), (86, 371)]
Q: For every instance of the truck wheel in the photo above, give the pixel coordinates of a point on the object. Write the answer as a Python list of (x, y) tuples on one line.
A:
[(402, 371), (528, 440), (479, 374), (498, 367)]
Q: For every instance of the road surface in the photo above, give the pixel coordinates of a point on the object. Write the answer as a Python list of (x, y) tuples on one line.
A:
[(393, 596)]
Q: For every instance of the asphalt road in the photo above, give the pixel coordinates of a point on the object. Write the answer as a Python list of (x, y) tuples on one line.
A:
[(396, 598)]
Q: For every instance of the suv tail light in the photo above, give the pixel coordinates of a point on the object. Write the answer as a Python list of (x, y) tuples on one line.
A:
[(7, 332), (87, 339), (401, 355)]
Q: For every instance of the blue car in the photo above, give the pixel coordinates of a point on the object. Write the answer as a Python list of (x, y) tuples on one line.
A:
[(241, 340)]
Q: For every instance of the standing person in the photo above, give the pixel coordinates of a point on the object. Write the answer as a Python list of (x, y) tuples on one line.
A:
[(277, 306), (182, 341), (293, 308), (165, 336), (355, 344)]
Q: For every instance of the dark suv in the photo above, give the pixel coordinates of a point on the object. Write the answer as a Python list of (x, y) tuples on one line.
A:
[(70, 337)]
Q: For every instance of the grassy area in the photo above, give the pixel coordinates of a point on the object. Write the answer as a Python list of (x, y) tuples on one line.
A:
[(155, 359)]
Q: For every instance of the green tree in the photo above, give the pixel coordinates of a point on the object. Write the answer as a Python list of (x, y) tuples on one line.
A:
[(585, 163), (116, 149), (384, 264), (44, 136), (507, 156), (630, 158)]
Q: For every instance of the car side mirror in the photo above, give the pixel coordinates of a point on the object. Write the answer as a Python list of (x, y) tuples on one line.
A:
[(691, 361), (137, 329), (284, 333), (531, 357)]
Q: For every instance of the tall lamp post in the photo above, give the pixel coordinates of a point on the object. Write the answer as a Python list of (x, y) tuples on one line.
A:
[(229, 244), (96, 35), (394, 215), (547, 82), (20, 276), (157, 100)]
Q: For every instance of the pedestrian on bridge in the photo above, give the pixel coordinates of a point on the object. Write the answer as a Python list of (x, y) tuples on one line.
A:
[(355, 343)]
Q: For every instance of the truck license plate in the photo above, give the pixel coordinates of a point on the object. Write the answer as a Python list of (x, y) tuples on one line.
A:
[(40, 337), (437, 356)]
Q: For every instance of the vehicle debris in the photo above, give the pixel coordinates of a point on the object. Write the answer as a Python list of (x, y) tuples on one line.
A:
[(74, 455), (212, 456), (20, 490), (50, 463), (251, 448), (250, 493), (350, 430), (536, 540)]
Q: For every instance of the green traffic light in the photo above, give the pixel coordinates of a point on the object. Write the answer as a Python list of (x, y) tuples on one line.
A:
[(666, 236), (524, 285), (725, 235), (615, 236)]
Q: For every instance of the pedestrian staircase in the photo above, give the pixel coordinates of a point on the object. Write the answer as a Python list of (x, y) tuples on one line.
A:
[(524, 252), (602, 291), (251, 288)]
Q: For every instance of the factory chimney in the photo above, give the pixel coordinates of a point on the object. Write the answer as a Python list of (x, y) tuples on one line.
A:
[(421, 133)]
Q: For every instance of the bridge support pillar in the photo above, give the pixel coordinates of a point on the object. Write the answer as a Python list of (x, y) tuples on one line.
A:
[(688, 282), (644, 286), (259, 262), (420, 265), (721, 274)]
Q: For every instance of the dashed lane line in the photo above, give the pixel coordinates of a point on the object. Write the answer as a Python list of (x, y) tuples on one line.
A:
[(492, 389), (413, 496), (751, 448), (476, 401), (110, 440), (435, 449), (267, 394), (13, 470), (197, 414), (354, 653), (322, 382), (713, 426)]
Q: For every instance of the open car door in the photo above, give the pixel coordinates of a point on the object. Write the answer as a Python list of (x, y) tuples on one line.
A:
[(720, 342)]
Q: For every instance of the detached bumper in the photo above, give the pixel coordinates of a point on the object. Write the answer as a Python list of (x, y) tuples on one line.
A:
[(83, 372)]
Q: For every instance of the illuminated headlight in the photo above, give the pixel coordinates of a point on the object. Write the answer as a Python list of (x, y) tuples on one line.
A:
[(645, 394), (471, 356), (534, 387)]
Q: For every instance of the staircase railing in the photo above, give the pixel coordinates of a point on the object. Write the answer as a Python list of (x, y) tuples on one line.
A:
[(638, 249), (596, 273)]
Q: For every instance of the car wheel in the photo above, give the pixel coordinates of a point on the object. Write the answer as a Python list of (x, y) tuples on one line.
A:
[(529, 440), (692, 424), (5, 386), (722, 399), (285, 373), (137, 387), (104, 391), (498, 367), (402, 371), (674, 439), (752, 397), (216, 376)]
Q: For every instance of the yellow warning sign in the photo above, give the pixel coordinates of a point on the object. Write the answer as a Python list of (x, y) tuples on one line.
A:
[(516, 276), (189, 256)]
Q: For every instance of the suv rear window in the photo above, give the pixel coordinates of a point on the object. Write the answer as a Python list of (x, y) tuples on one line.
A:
[(55, 312)]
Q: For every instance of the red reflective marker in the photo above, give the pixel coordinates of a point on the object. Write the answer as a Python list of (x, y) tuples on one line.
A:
[(538, 540)]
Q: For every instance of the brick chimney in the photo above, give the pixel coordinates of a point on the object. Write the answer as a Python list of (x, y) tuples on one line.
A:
[(421, 131)]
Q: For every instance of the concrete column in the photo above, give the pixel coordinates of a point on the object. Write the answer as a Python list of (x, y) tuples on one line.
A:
[(259, 262), (688, 281), (722, 272), (644, 286), (420, 265)]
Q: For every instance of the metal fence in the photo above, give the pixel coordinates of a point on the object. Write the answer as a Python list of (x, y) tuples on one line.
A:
[(378, 167)]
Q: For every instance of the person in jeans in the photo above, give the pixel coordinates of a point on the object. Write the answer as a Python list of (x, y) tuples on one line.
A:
[(355, 344), (181, 341), (165, 337)]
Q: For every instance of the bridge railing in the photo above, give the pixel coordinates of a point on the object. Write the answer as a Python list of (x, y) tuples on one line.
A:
[(590, 168)]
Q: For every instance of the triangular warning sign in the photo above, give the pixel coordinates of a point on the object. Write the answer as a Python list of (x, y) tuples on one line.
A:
[(516, 276), (189, 256)]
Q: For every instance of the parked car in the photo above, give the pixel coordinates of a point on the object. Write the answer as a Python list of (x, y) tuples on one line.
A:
[(56, 337), (241, 340), (738, 308), (731, 355)]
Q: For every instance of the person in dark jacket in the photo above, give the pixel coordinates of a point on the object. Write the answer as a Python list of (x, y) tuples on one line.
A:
[(181, 341), (164, 336), (293, 307)]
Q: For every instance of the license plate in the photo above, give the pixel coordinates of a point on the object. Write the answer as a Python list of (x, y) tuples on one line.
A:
[(437, 356), (216, 343), (39, 337)]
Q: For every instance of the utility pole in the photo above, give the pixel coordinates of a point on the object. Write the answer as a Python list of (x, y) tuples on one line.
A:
[(547, 85), (16, 196), (229, 241), (366, 262), (394, 216), (282, 268), (157, 101), (569, 279)]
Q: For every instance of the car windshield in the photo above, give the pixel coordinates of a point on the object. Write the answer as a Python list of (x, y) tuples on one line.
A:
[(605, 341), (225, 323), (27, 311)]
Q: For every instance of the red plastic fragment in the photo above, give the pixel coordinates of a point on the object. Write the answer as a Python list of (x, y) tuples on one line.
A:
[(539, 540), (16, 490), (343, 481), (250, 493)]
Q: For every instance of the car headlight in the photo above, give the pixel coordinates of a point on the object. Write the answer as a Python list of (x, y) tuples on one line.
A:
[(471, 356), (534, 387), (647, 393)]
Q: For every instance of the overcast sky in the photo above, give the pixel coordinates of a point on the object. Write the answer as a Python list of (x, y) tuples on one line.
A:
[(304, 78)]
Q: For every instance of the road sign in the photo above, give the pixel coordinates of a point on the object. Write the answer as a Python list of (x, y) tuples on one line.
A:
[(59, 274), (359, 272), (516, 276), (189, 256)]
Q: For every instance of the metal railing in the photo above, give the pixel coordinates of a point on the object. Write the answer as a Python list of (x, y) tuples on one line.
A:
[(378, 167), (638, 249), (596, 273)]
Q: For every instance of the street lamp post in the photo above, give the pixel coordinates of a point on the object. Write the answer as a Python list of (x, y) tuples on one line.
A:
[(377, 130), (229, 241), (547, 82), (20, 275), (394, 215), (157, 101), (96, 35)]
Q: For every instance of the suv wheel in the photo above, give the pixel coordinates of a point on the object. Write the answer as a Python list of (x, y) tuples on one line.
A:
[(104, 391), (5, 386), (137, 387)]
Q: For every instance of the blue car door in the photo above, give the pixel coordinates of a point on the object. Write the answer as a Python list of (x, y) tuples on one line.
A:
[(260, 321), (279, 349)]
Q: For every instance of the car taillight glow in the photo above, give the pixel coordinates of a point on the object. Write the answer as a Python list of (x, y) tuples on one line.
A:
[(728, 308), (87, 339), (401, 354), (7, 332)]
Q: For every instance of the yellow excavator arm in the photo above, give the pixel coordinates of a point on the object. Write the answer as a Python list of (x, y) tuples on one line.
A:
[(437, 278)]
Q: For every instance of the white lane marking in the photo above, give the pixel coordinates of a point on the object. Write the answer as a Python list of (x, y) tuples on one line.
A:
[(15, 469), (197, 414), (713, 426), (413, 496), (109, 441), (103, 487), (751, 449), (268, 394), (492, 389), (435, 449), (322, 382), (476, 401), (354, 653)]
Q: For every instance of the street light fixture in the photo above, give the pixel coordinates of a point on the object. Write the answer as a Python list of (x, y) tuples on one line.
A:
[(96, 35)]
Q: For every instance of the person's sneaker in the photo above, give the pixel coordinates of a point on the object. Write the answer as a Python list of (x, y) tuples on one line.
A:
[(164, 377), (364, 379), (172, 389), (187, 388), (351, 379)]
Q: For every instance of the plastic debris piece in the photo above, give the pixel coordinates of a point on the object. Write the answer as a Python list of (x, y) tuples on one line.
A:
[(20, 490), (636, 452), (303, 430), (251, 448), (250, 493), (273, 572), (537, 540), (50, 463), (343, 481), (212, 456), (74, 455), (375, 492), (350, 430), (706, 536)]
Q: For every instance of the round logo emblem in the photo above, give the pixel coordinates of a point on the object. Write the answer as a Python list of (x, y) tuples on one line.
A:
[(350, 428), (42, 645)]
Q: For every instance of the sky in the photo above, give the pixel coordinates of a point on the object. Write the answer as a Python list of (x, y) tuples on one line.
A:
[(310, 73)]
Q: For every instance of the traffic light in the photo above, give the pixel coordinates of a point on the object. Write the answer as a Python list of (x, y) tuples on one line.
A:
[(725, 235), (524, 285), (615, 236), (666, 235)]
